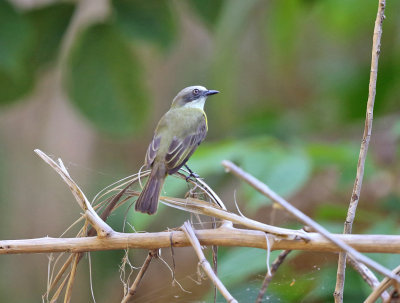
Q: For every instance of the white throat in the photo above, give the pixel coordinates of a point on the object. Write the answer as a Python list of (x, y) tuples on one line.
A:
[(199, 103)]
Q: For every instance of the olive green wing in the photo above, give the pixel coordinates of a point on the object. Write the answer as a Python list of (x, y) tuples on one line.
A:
[(152, 150), (180, 149)]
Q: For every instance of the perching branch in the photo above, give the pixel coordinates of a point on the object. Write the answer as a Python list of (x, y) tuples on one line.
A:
[(221, 237), (189, 232), (355, 195), (265, 190)]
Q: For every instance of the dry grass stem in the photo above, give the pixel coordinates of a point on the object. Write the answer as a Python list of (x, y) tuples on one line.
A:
[(189, 232), (102, 228), (68, 292), (355, 195), (132, 290), (204, 208), (268, 277), (265, 190), (385, 284)]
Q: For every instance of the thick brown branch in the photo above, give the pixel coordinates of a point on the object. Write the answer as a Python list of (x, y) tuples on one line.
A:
[(355, 195), (208, 237)]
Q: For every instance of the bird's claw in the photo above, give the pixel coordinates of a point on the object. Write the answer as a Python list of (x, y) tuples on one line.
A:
[(192, 175)]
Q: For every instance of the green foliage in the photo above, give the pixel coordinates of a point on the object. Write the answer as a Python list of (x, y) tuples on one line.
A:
[(105, 81), (342, 157), (229, 271), (49, 24), (208, 10), (27, 42), (16, 77), (284, 169), (149, 20)]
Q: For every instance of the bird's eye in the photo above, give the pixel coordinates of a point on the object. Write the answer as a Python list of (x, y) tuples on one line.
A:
[(196, 92)]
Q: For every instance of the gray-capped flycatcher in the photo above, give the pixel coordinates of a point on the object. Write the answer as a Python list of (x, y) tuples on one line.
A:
[(176, 137)]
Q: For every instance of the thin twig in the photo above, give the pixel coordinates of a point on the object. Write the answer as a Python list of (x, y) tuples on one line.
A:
[(268, 277), (188, 230), (132, 290), (385, 284), (204, 208), (368, 276), (355, 195), (265, 190), (102, 228)]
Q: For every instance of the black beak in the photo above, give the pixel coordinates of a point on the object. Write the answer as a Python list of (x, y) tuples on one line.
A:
[(211, 92)]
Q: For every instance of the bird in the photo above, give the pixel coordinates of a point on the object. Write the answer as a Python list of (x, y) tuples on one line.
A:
[(177, 135)]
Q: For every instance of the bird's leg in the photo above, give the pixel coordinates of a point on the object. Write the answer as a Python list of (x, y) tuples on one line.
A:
[(191, 173)]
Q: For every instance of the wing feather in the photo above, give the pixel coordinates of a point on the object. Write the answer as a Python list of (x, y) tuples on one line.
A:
[(152, 151), (180, 150)]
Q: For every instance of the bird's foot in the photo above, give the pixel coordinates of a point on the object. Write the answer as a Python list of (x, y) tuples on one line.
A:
[(191, 174)]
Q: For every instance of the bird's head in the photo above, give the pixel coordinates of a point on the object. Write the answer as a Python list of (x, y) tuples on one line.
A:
[(192, 96)]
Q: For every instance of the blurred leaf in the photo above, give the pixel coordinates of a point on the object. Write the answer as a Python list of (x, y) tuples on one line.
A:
[(355, 289), (235, 267), (338, 16), (207, 159), (283, 170), (283, 27), (208, 10), (339, 156), (104, 81), (149, 20), (49, 24), (16, 77), (338, 212), (229, 32)]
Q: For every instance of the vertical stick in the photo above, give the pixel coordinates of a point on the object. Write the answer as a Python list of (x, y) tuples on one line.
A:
[(376, 49), (132, 290)]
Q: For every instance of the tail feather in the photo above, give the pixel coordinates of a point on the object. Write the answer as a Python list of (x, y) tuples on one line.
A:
[(148, 199)]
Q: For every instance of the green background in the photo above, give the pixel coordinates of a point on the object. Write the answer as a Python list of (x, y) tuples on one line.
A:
[(87, 81)]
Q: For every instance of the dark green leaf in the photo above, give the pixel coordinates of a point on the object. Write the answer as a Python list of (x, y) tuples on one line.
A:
[(149, 20), (104, 81), (49, 24), (208, 10), (16, 76)]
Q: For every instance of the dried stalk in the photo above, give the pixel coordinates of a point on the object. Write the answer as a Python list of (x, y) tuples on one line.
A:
[(204, 208), (102, 228), (385, 284), (132, 290), (188, 230), (355, 195), (71, 280), (268, 277), (221, 237), (265, 190)]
